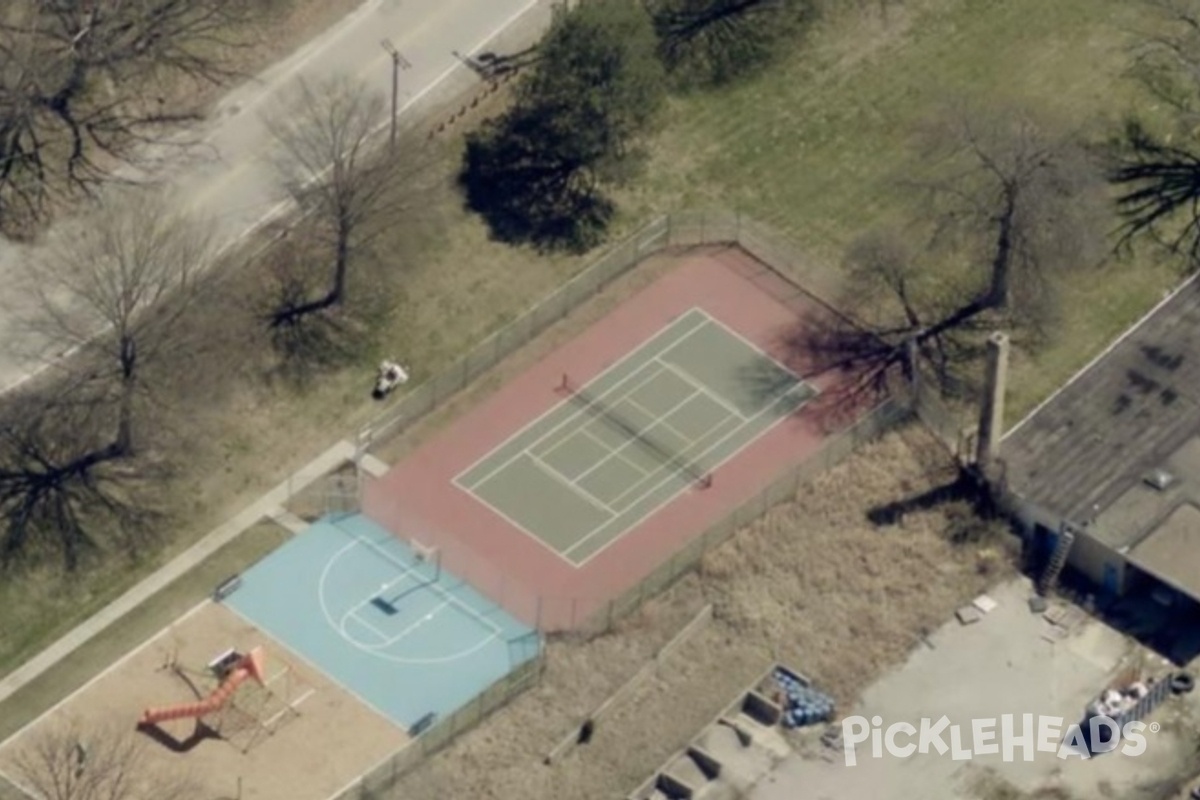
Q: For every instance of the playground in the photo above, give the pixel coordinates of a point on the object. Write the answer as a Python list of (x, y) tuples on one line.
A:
[(304, 672), (409, 639), (293, 734)]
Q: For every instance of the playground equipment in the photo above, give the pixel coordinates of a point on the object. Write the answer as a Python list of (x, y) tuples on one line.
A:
[(247, 666)]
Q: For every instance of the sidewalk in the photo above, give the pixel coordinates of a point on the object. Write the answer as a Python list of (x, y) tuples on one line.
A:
[(266, 506), (234, 182), (426, 32)]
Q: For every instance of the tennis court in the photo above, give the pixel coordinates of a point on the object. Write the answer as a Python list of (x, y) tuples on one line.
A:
[(655, 424), (382, 618)]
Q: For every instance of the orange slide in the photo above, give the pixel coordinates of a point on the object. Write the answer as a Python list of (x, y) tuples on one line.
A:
[(251, 666)]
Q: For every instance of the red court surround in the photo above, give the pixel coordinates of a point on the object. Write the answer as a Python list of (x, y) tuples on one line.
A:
[(417, 498)]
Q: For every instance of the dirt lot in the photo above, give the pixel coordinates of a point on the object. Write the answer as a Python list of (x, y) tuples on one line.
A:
[(813, 584), (310, 754), (1002, 665)]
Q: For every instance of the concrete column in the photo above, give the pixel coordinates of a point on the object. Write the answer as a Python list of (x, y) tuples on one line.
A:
[(991, 416)]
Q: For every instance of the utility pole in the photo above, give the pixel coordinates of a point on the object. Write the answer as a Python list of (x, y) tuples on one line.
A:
[(398, 62)]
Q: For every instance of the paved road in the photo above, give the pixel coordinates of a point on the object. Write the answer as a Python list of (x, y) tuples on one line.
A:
[(231, 179)]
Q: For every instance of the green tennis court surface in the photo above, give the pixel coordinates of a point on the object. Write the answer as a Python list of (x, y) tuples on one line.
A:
[(648, 428)]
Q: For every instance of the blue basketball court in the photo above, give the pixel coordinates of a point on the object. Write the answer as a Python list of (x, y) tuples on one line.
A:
[(382, 619)]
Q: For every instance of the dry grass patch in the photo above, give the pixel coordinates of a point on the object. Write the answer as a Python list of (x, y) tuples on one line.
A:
[(812, 584)]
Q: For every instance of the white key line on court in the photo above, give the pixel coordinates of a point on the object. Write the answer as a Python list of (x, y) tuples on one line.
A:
[(673, 495), (319, 671), (434, 586), (683, 375), (559, 478), (557, 406), (420, 621), (353, 614), (386, 587)]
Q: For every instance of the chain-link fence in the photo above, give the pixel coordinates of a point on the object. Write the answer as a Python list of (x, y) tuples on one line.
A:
[(670, 231), (383, 776), (600, 616), (786, 274)]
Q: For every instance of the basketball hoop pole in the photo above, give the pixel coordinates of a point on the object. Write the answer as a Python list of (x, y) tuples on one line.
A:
[(565, 386)]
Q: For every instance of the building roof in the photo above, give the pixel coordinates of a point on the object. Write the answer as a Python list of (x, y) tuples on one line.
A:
[(1124, 415), (1172, 551)]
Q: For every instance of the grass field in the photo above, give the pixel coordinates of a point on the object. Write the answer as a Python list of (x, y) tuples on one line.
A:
[(814, 148), (139, 625), (817, 148)]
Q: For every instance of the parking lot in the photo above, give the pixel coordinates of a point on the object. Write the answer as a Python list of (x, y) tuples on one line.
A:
[(1000, 665)]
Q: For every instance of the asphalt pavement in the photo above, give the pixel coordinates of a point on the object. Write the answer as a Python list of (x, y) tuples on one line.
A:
[(229, 178)]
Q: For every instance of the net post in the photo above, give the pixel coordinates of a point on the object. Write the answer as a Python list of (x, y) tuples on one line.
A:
[(564, 386)]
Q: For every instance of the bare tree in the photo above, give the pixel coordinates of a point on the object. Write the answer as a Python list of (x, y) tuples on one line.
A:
[(64, 492), (1019, 207), (326, 163), (1157, 171), (71, 761), (84, 86), (116, 290), (115, 295), (705, 42), (1166, 54)]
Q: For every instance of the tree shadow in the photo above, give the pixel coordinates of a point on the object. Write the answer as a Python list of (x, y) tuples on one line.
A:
[(521, 174), (489, 65)]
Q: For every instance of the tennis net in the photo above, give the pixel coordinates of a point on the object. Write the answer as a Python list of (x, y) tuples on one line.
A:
[(670, 456)]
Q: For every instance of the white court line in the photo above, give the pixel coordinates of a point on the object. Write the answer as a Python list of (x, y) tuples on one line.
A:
[(752, 346), (597, 440), (673, 495), (110, 668), (583, 428), (590, 403), (632, 439), (438, 589), (683, 375), (353, 614), (502, 515), (673, 470), (291, 707), (691, 331), (557, 406), (632, 465), (661, 421), (566, 483), (374, 652), (420, 621), (388, 586), (296, 655)]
